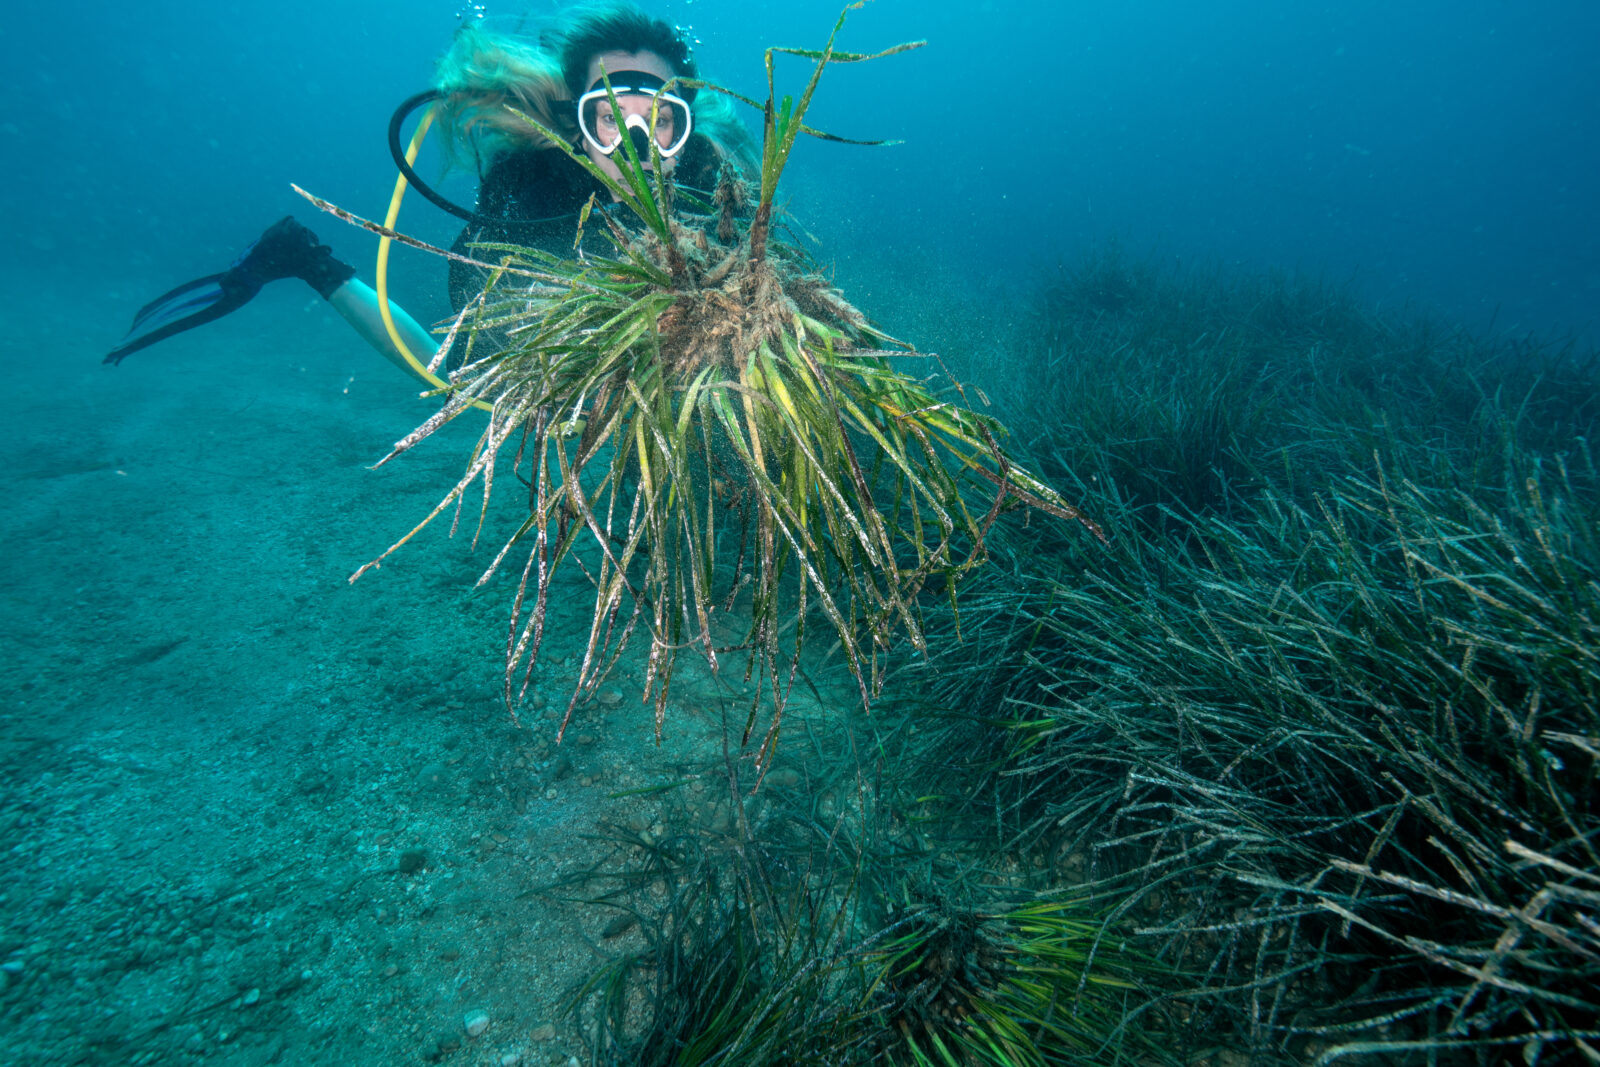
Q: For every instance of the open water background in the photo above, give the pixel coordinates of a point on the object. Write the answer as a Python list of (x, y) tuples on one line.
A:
[(1442, 152)]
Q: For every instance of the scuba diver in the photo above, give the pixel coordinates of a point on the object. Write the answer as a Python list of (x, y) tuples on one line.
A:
[(530, 192)]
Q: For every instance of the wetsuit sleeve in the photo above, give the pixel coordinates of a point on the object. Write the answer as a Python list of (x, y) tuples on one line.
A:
[(532, 198), (529, 198)]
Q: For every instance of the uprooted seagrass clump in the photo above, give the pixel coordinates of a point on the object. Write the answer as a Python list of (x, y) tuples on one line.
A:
[(716, 420)]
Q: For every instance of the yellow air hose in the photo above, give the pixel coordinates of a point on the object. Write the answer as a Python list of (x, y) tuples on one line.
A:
[(389, 220)]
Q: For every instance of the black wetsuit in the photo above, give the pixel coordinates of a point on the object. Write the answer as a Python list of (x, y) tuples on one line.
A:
[(534, 197)]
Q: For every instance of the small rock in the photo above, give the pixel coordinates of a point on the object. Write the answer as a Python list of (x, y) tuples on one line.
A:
[(313, 781), (475, 1022), (250, 999), (544, 1032), (510, 1059), (618, 926)]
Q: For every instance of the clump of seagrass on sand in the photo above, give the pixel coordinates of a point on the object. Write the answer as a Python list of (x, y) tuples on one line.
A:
[(717, 422), (822, 921)]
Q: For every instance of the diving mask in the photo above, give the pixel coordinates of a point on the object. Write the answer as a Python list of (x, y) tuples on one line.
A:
[(642, 99)]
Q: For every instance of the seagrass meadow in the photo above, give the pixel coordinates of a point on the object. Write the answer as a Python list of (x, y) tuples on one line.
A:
[(1321, 720), (1298, 767)]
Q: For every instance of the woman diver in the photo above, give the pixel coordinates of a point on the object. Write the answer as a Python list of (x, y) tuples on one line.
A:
[(530, 191)]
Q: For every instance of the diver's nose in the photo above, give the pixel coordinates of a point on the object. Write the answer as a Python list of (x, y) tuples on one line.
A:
[(641, 142)]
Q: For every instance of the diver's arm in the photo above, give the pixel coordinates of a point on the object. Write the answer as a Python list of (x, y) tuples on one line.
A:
[(357, 302)]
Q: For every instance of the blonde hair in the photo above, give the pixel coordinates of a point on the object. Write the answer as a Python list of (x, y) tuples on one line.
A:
[(484, 72)]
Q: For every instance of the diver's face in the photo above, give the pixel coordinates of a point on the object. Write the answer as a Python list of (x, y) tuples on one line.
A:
[(607, 123)]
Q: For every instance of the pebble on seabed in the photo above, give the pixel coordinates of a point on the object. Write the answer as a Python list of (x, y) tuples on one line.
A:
[(475, 1022)]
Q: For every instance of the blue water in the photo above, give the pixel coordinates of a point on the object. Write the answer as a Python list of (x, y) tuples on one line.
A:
[(1439, 152), (215, 752)]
